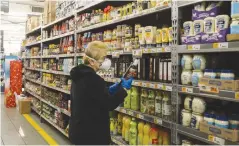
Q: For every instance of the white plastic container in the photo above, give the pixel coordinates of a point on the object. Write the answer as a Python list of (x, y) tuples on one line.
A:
[(199, 62), (208, 117), (209, 25), (227, 75), (235, 9), (209, 73), (234, 27), (186, 117), (198, 105), (188, 103), (186, 77), (221, 121), (222, 22), (196, 76), (198, 26), (195, 120), (186, 62), (188, 28)]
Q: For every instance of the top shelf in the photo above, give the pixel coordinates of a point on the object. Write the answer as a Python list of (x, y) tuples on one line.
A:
[(37, 29), (209, 48), (92, 4), (188, 2), (58, 20)]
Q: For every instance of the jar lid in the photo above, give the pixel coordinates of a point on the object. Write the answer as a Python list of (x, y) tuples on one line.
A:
[(186, 111), (218, 70), (221, 118), (208, 70), (197, 114)]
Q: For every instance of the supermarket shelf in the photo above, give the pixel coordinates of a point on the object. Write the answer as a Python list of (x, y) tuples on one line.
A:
[(145, 84), (35, 110), (128, 17), (55, 72), (118, 140), (34, 30), (59, 56), (58, 20), (34, 43), (222, 95), (59, 36), (57, 108), (54, 125), (29, 68), (92, 4), (209, 48), (34, 81), (204, 137), (33, 94), (188, 2), (145, 117), (55, 88), (31, 57)]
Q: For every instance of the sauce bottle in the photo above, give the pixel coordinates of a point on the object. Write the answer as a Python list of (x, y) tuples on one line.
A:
[(153, 135), (150, 103), (140, 133), (133, 132), (158, 104), (134, 99), (127, 100), (166, 107), (147, 128), (127, 126), (143, 101)]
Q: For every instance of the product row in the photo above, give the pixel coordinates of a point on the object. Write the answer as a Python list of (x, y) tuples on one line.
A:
[(65, 8), (33, 51), (32, 39), (111, 13), (148, 101), (34, 88), (35, 75), (58, 81), (137, 132), (62, 64), (33, 63), (125, 37), (65, 46)]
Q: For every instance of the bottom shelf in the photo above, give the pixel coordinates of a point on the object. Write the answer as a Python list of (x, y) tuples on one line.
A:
[(35, 110), (118, 140), (54, 125)]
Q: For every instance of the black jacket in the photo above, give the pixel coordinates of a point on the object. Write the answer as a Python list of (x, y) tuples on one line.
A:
[(90, 106)]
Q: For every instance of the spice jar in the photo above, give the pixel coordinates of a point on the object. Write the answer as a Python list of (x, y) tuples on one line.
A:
[(128, 31)]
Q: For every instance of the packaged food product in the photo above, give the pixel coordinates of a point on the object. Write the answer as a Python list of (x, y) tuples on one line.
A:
[(151, 103), (186, 117), (188, 28), (165, 35), (195, 120), (198, 105), (196, 76), (222, 22), (133, 132), (209, 25), (134, 99), (146, 136), (158, 103), (198, 27), (186, 77), (140, 133), (159, 38), (143, 101)]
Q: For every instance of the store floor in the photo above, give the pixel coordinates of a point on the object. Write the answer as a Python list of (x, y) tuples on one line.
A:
[(16, 130)]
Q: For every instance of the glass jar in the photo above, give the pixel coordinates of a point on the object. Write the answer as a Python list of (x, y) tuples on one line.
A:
[(186, 62), (227, 75), (166, 107), (186, 117), (196, 76), (209, 73), (128, 31), (186, 77), (119, 31), (127, 45), (235, 26), (136, 43), (188, 103), (221, 121), (158, 104), (198, 105), (136, 29), (195, 120), (199, 62)]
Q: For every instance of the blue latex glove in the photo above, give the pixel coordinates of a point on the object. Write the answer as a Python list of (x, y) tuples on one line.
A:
[(126, 83), (113, 88)]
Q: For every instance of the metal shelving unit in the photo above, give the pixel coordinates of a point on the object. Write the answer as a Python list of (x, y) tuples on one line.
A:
[(176, 51)]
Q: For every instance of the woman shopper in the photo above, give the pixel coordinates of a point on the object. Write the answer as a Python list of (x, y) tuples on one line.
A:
[(91, 100)]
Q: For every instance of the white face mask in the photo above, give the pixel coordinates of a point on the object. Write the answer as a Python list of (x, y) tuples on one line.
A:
[(106, 64)]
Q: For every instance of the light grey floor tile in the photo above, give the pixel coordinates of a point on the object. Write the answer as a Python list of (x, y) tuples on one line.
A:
[(12, 138), (34, 139), (2, 141)]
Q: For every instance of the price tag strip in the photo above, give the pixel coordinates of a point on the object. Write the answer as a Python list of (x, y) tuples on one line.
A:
[(158, 121), (138, 53), (210, 89), (216, 140), (193, 47), (187, 90), (220, 45)]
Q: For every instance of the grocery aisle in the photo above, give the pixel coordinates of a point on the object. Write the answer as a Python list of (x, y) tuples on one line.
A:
[(15, 129)]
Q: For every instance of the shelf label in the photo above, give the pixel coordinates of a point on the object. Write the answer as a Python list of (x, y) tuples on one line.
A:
[(193, 47), (237, 95), (160, 86), (130, 113), (169, 88), (137, 53), (216, 140), (145, 84), (152, 85), (140, 116), (187, 90), (115, 54), (158, 121), (108, 53), (220, 45)]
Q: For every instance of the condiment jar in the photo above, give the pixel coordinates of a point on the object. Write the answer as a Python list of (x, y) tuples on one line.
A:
[(167, 107), (195, 120), (188, 103), (209, 118), (136, 29), (128, 32), (158, 37), (234, 122), (198, 105), (199, 62), (186, 77), (136, 43), (221, 121), (227, 75), (209, 73), (196, 76), (186, 62), (186, 118)]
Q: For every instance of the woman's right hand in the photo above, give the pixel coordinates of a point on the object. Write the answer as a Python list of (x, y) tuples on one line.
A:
[(126, 83)]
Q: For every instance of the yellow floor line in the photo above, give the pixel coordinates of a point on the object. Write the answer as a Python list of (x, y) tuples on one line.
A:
[(41, 131)]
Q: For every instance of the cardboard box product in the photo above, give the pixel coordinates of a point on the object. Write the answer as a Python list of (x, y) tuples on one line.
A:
[(24, 106), (51, 17), (206, 83), (229, 134)]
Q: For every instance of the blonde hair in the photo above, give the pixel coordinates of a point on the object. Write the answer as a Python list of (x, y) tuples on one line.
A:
[(95, 50)]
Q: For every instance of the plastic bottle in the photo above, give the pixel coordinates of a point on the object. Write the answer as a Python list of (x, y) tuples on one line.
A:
[(166, 107), (166, 140), (150, 103), (235, 9), (143, 101), (127, 126), (133, 132), (154, 136), (140, 133), (158, 104), (127, 99), (119, 123), (134, 99), (123, 127), (160, 137), (147, 128)]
